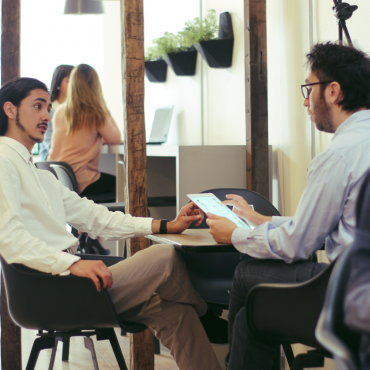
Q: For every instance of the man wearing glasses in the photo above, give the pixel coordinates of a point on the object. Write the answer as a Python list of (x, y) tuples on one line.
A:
[(337, 98)]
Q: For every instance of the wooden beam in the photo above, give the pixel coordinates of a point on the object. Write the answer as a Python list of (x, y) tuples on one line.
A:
[(256, 96), (132, 23), (11, 355)]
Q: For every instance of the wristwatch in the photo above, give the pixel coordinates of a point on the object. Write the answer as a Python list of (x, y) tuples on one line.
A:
[(163, 227)]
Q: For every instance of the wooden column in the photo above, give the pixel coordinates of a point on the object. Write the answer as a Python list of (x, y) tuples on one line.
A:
[(256, 96), (11, 354), (132, 23)]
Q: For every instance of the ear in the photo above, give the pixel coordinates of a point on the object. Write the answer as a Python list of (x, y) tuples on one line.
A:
[(333, 92), (10, 110)]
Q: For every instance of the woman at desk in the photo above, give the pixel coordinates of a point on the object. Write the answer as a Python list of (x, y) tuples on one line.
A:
[(58, 95), (80, 127)]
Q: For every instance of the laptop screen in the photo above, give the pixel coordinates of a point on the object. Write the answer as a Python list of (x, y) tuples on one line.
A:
[(161, 125)]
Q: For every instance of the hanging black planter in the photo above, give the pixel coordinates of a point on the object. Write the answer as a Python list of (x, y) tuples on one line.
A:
[(219, 53), (156, 70), (183, 63)]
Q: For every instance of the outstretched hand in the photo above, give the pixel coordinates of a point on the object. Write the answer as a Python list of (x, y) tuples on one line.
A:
[(242, 209), (221, 228), (186, 216), (93, 270)]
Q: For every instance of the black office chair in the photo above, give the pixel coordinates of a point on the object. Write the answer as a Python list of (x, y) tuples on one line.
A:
[(331, 332), (63, 306), (212, 273), (64, 172), (287, 313)]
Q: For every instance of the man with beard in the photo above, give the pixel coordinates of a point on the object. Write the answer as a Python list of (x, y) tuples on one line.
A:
[(337, 98), (152, 287)]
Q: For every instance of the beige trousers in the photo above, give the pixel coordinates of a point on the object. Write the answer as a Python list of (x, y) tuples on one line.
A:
[(153, 287)]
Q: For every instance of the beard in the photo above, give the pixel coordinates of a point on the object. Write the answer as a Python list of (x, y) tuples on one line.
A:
[(22, 128), (323, 115)]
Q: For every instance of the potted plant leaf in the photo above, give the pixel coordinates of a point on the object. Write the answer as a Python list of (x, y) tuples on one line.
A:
[(217, 52), (155, 66)]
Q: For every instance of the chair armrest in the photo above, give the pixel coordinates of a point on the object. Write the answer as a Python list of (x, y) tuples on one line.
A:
[(108, 260), (43, 301), (51, 302), (287, 313)]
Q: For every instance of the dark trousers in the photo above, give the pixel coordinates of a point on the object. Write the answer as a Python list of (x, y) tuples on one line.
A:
[(247, 352), (106, 184)]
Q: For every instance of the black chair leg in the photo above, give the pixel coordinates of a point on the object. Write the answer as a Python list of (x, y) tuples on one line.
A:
[(54, 352), (65, 354), (157, 346), (117, 349), (288, 354), (90, 346), (38, 345)]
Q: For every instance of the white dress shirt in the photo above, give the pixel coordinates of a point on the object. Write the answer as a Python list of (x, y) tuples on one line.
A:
[(35, 208), (326, 211)]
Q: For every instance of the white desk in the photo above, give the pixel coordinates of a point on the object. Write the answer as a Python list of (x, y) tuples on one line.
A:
[(181, 170)]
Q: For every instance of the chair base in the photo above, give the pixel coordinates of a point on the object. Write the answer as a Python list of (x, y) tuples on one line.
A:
[(50, 340)]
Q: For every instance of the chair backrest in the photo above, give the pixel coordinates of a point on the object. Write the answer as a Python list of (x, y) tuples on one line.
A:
[(62, 170), (331, 331), (260, 203), (289, 312), (63, 176)]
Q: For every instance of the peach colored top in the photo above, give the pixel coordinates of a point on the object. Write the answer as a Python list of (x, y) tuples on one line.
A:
[(82, 148)]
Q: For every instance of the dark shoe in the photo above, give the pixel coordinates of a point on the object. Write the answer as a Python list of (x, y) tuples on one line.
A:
[(215, 327)]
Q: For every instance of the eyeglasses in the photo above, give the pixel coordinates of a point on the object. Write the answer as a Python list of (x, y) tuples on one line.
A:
[(306, 90)]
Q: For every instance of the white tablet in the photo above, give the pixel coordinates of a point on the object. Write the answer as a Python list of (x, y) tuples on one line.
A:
[(208, 202)]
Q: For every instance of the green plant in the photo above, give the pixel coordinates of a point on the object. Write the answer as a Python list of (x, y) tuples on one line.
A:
[(197, 30), (194, 31), (168, 43)]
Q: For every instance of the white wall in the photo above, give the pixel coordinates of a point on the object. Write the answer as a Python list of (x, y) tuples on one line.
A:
[(289, 126), (219, 106), (224, 92), (112, 86), (49, 38)]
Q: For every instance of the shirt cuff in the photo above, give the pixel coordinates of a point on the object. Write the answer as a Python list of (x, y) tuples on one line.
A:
[(279, 220), (143, 226), (65, 260), (239, 238)]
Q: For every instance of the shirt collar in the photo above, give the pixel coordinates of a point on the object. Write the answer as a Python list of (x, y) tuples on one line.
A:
[(351, 120), (18, 147)]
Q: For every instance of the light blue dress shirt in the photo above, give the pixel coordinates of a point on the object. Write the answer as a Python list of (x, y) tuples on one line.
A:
[(326, 211), (45, 145)]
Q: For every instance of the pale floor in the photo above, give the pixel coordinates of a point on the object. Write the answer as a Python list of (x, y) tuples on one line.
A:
[(80, 357)]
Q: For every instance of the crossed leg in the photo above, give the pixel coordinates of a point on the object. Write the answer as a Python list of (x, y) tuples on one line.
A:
[(153, 287)]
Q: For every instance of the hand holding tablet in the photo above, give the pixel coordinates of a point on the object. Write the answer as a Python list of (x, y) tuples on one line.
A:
[(208, 202)]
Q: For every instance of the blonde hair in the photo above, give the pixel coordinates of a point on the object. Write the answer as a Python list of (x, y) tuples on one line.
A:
[(85, 105)]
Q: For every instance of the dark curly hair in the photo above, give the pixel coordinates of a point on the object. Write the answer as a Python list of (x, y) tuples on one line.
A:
[(346, 65), (15, 91)]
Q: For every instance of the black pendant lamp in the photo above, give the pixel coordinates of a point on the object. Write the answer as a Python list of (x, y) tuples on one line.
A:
[(83, 7)]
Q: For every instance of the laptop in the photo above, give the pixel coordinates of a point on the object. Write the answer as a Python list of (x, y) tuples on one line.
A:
[(161, 125)]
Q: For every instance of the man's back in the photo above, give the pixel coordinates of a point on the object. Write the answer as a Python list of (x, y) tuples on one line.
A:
[(345, 161)]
